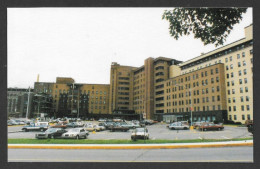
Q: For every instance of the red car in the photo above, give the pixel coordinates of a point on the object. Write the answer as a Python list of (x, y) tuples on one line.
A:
[(211, 126)]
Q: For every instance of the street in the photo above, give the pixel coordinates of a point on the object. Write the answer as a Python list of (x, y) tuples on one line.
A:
[(225, 154)]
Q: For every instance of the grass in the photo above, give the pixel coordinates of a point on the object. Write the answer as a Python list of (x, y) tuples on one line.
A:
[(86, 141)]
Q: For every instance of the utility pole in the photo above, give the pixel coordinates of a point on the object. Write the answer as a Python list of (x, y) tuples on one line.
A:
[(27, 111)]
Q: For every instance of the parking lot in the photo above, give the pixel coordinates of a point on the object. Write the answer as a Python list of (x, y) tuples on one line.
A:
[(157, 131)]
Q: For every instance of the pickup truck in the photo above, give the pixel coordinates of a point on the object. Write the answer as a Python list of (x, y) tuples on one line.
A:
[(35, 127)]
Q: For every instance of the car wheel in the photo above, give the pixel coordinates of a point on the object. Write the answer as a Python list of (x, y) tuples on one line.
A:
[(185, 128), (219, 129), (173, 128)]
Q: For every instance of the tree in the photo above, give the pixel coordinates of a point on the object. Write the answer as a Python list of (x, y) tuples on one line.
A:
[(211, 25)]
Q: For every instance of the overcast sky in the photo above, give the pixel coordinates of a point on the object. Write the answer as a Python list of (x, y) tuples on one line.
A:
[(82, 42)]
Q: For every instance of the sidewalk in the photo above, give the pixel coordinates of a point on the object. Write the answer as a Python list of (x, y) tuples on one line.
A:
[(132, 146)]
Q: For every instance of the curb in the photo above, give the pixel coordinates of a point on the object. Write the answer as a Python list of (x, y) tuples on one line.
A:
[(131, 146)]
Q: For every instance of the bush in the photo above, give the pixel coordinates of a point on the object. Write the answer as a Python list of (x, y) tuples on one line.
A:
[(216, 122), (230, 122), (239, 123)]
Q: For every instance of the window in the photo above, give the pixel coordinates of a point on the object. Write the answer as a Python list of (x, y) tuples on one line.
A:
[(248, 117), (211, 71), (247, 98), (231, 66), (243, 117), (213, 90), (217, 88), (217, 79), (227, 67), (240, 81), (206, 73), (241, 89), (247, 107), (246, 89), (244, 71), (239, 73), (229, 108), (213, 107), (238, 56), (243, 54), (218, 97), (234, 100), (239, 64), (230, 117), (234, 108), (245, 80), (228, 84), (235, 117), (233, 91), (227, 76), (232, 82), (232, 74), (242, 108), (230, 58), (202, 74), (229, 100), (242, 99), (226, 59), (244, 63), (213, 98), (216, 70)]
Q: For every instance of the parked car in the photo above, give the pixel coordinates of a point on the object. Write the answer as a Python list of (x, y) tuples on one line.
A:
[(59, 125), (196, 125), (130, 125), (20, 122), (109, 124), (75, 133), (93, 127), (178, 126), (35, 127), (211, 126), (51, 133), (117, 127), (140, 133), (74, 125)]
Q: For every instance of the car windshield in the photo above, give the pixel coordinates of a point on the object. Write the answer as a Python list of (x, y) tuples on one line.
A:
[(140, 130)]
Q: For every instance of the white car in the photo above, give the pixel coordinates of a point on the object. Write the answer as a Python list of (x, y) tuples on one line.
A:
[(76, 133), (178, 126), (140, 133)]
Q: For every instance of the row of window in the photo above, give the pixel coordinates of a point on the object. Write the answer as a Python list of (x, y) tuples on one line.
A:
[(242, 108), (242, 116), (241, 99), (195, 92), (187, 109)]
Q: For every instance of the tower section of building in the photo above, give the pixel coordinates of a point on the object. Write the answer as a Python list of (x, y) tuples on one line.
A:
[(121, 89)]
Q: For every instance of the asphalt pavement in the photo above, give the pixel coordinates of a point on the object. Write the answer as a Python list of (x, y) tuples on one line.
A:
[(224, 154)]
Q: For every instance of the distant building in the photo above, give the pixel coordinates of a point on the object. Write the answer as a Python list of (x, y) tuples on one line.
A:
[(17, 100)]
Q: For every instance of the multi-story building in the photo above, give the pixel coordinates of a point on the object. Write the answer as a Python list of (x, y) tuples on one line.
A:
[(70, 99), (237, 59), (17, 101)]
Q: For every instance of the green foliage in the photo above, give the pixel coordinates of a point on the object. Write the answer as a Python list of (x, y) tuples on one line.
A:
[(211, 25)]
